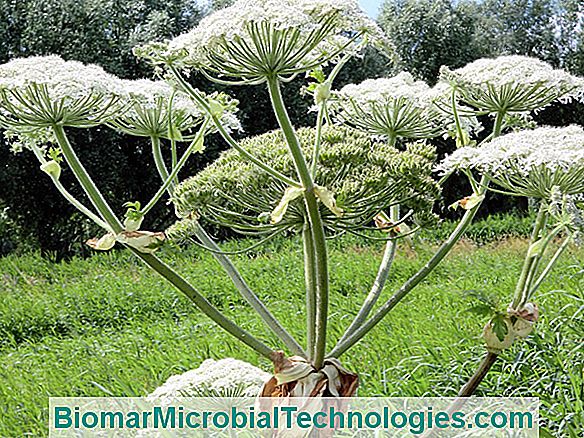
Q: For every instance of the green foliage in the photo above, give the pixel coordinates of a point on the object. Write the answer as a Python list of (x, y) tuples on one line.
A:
[(428, 34), (526, 27), (108, 326), (488, 229), (364, 176)]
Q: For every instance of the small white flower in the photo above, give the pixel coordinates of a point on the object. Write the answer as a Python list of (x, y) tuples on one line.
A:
[(41, 91), (252, 38), (512, 84), (156, 109), (394, 107), (534, 163), (218, 378)]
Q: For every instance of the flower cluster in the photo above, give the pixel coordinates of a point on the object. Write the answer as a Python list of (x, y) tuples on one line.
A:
[(398, 107), (42, 91), (155, 109), (512, 84), (528, 163), (361, 178), (255, 38), (222, 378), (391, 107)]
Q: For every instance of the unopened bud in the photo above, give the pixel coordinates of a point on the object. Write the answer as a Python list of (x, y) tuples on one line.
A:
[(495, 342), (322, 93), (52, 168), (133, 223), (216, 108)]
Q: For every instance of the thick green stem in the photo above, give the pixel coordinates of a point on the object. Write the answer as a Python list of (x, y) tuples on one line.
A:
[(206, 307), (86, 182), (159, 159), (318, 139), (169, 178), (187, 88), (549, 266), (248, 294), (380, 280), (314, 218), (310, 282), (104, 209), (530, 259)]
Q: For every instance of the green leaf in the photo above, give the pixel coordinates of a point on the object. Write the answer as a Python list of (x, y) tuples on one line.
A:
[(318, 75), (55, 154), (481, 310), (500, 326)]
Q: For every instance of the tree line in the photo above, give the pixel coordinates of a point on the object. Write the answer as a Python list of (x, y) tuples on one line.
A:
[(426, 34)]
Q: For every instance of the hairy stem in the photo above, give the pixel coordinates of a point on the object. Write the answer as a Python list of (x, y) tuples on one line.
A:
[(248, 294), (187, 88), (174, 278), (310, 282), (314, 218), (379, 283)]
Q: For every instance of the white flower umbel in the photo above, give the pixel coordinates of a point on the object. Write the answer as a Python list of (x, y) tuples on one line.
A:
[(222, 378), (155, 109), (391, 107), (253, 39), (512, 84), (528, 163), (44, 91)]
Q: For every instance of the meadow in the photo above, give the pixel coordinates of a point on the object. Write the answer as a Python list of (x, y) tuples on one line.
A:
[(107, 326)]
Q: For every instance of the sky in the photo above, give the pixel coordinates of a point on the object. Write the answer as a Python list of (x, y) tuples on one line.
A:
[(371, 6)]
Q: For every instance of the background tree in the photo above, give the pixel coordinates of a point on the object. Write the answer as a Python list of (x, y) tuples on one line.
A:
[(522, 27), (428, 34)]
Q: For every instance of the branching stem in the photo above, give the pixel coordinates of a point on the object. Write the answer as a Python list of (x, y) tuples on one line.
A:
[(314, 218)]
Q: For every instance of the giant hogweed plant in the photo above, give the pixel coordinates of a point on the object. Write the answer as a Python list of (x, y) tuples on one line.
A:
[(364, 168)]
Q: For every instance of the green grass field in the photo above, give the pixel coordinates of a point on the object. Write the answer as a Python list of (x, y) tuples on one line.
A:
[(107, 326)]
